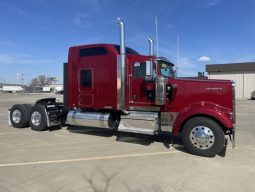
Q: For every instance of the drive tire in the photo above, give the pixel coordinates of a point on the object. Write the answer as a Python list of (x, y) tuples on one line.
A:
[(203, 136), (19, 116), (37, 119)]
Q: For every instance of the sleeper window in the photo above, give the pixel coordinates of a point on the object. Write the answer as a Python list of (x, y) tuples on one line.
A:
[(86, 78)]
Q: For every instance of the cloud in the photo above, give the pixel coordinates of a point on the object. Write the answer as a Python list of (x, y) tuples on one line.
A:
[(186, 68), (212, 3), (204, 59), (186, 63)]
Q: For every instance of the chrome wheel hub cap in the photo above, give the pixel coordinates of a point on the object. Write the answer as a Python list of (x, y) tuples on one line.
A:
[(36, 118), (202, 137), (16, 116)]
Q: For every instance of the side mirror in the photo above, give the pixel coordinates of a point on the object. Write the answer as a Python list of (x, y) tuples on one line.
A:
[(149, 70)]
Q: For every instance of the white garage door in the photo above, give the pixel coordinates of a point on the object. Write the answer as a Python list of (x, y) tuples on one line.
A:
[(245, 82), (249, 84)]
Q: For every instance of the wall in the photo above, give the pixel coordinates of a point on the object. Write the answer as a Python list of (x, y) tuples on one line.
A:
[(245, 81)]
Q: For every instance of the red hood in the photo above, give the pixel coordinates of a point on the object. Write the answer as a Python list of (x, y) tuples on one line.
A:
[(188, 91)]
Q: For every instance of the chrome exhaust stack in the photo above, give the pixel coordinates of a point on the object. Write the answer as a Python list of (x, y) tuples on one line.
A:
[(151, 46), (121, 62), (122, 37)]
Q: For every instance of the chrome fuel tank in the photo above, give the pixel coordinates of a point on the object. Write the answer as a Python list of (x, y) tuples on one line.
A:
[(88, 119)]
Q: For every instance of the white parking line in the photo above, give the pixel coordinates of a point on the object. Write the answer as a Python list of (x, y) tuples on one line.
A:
[(88, 159), (245, 147)]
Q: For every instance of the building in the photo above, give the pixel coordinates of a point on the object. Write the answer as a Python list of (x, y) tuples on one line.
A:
[(242, 73), (11, 88)]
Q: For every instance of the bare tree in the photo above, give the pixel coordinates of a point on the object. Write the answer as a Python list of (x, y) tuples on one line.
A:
[(41, 80), (34, 82)]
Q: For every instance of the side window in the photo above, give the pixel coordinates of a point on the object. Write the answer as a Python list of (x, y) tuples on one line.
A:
[(139, 70), (93, 51), (86, 78)]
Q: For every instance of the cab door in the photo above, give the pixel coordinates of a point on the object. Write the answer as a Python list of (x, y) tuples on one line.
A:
[(141, 90)]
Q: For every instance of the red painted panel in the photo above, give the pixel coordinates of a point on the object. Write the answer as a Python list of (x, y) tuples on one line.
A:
[(204, 97), (104, 89), (86, 100)]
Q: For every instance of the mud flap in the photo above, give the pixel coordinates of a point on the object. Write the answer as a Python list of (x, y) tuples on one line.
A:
[(9, 120), (232, 137)]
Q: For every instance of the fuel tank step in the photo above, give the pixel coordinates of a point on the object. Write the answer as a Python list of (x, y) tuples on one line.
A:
[(139, 122)]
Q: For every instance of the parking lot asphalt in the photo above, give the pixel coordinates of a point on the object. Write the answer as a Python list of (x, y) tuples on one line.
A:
[(78, 159)]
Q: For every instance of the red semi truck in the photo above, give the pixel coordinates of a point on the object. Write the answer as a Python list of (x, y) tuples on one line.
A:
[(112, 86)]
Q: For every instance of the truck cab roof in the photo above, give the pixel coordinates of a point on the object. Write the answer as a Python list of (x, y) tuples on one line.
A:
[(95, 49)]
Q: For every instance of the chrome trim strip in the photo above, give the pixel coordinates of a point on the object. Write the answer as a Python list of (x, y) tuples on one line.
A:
[(143, 108), (138, 115)]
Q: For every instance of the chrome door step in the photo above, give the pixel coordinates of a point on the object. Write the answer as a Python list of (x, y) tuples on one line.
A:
[(139, 122), (136, 130)]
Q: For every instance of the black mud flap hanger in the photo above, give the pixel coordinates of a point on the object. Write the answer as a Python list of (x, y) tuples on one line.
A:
[(46, 101)]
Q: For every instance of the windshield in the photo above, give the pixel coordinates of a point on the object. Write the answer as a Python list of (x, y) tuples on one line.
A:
[(166, 69)]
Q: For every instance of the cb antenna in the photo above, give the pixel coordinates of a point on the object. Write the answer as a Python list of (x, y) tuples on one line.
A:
[(177, 50), (156, 26)]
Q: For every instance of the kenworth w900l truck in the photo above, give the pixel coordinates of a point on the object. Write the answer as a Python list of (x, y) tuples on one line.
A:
[(114, 87)]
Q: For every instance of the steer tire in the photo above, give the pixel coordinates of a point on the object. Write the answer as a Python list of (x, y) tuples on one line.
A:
[(19, 116), (207, 147), (37, 119)]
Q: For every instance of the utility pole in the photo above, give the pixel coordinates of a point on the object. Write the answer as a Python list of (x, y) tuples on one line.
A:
[(1, 86), (22, 79)]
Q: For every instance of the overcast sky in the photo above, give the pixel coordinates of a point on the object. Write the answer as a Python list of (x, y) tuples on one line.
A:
[(35, 34)]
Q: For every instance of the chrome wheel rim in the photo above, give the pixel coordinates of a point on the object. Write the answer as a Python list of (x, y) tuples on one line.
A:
[(16, 116), (202, 137), (36, 118)]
